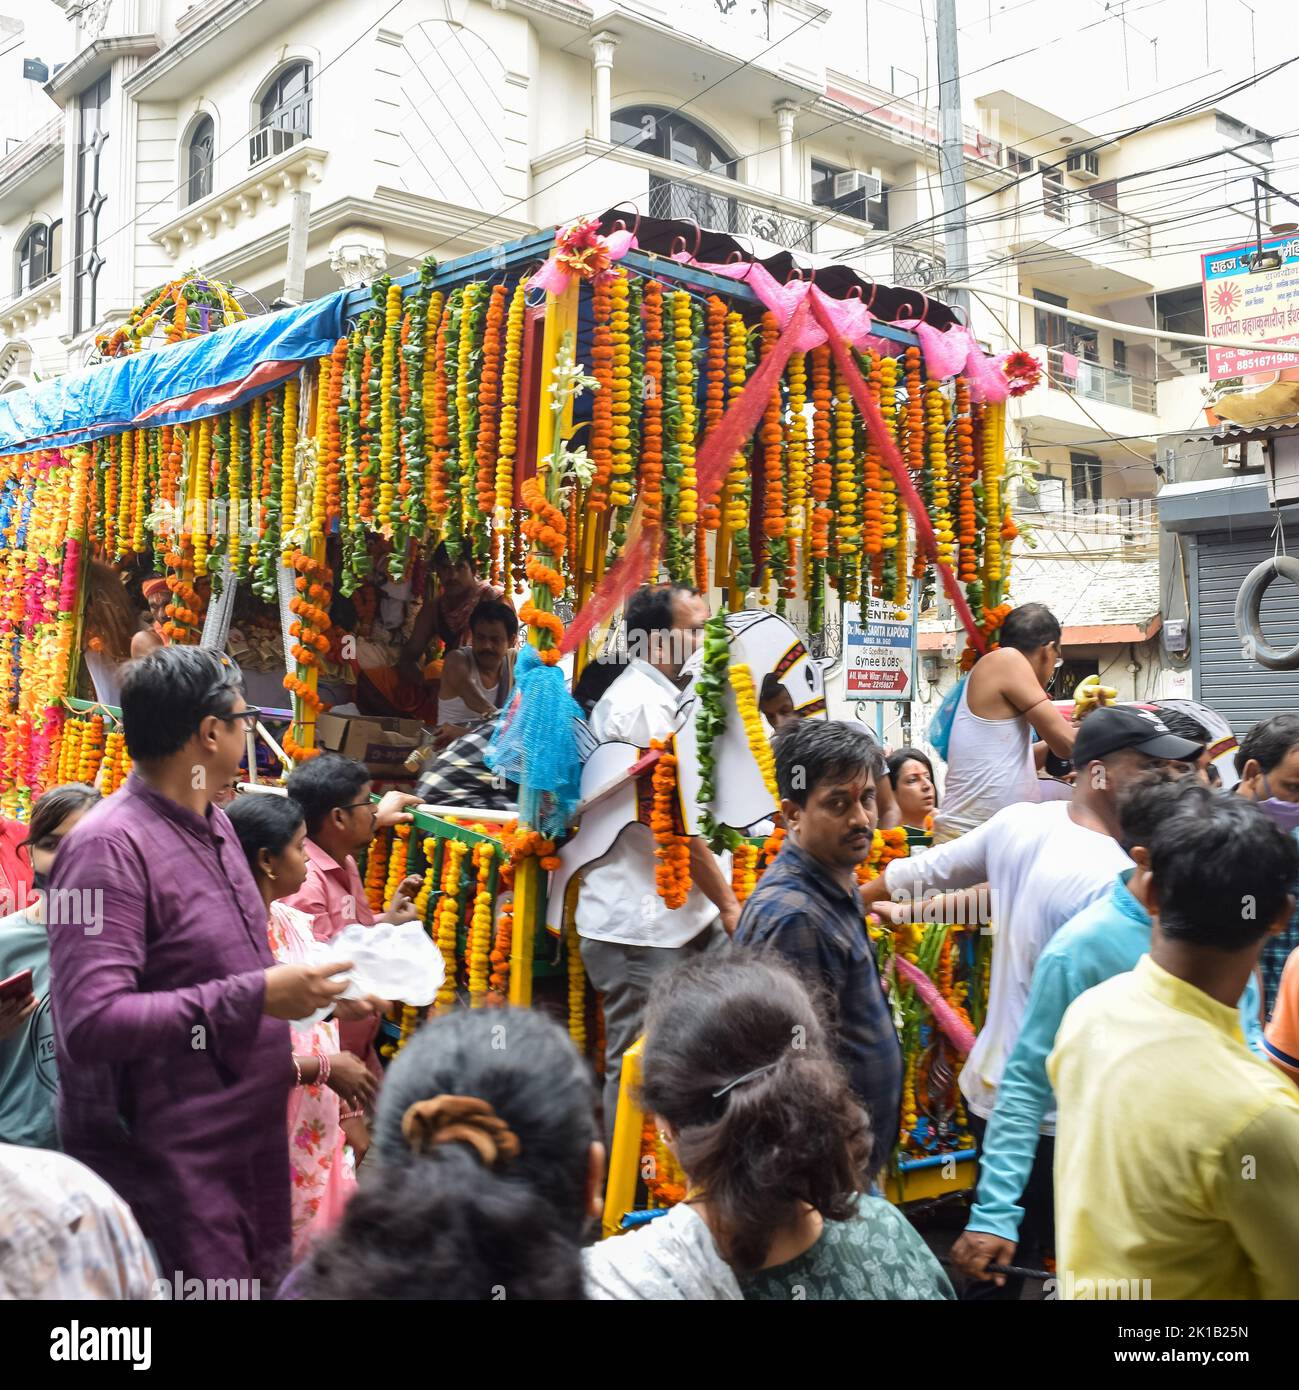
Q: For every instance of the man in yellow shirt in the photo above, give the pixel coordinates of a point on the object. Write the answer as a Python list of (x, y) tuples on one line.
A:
[(1177, 1149)]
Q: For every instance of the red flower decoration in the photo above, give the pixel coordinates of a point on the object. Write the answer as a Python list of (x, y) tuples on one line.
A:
[(1023, 371)]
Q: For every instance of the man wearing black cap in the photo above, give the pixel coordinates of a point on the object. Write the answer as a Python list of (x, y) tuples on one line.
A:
[(1042, 862)]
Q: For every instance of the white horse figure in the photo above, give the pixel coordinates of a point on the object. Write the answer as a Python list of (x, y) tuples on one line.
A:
[(615, 796)]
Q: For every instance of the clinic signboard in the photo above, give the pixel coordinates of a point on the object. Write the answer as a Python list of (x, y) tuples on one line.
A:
[(1260, 307), (879, 652)]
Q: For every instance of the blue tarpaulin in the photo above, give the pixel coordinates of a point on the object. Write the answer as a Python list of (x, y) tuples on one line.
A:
[(174, 384)]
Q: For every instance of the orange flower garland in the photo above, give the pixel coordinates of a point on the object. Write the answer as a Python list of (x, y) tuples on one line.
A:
[(480, 926), (437, 432), (601, 440), (744, 870), (671, 847), (771, 436), (715, 389), (822, 475), (620, 414), (489, 395), (966, 515), (376, 872), (873, 503), (936, 446), (651, 461), (796, 456), (546, 527)]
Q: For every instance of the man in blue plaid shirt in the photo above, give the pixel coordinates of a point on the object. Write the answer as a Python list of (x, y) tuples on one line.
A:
[(806, 907)]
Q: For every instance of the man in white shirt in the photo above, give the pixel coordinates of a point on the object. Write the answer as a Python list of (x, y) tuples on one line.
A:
[(1043, 863), (629, 937)]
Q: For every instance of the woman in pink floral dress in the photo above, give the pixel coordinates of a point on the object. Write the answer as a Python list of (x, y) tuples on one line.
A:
[(327, 1129)]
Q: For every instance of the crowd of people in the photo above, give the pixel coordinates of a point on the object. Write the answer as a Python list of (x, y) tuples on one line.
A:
[(187, 1100)]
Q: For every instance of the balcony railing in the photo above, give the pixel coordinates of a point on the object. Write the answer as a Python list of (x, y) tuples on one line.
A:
[(1068, 372), (1130, 518), (917, 266), (272, 140), (680, 200), (1096, 218)]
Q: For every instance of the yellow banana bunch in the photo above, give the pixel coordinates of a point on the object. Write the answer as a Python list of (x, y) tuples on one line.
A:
[(1090, 694)]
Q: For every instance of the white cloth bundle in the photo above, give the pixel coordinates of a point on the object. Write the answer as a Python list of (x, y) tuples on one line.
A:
[(390, 960)]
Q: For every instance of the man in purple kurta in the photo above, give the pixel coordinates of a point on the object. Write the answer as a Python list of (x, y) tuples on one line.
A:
[(175, 1063)]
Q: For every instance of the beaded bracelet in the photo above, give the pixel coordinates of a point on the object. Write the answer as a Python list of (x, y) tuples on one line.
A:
[(351, 1115)]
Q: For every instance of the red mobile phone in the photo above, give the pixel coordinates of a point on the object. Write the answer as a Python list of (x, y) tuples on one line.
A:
[(17, 986)]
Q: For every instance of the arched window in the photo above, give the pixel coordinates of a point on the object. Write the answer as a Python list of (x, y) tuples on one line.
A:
[(199, 153), (35, 257), (284, 112), (658, 131)]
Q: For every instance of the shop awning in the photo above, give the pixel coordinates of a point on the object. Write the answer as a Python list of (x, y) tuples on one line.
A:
[(172, 385)]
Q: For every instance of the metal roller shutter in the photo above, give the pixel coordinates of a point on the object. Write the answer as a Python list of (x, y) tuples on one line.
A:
[(1239, 690)]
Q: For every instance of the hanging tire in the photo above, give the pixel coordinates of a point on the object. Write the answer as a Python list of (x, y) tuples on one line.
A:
[(1248, 603)]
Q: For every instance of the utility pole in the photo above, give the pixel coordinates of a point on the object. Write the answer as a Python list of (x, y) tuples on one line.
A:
[(295, 274), (951, 153)]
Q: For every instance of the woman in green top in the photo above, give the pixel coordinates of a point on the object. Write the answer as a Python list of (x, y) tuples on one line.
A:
[(27, 1075), (738, 1071)]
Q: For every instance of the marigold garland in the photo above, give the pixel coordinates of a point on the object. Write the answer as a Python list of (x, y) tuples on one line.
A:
[(620, 480), (796, 456), (478, 948), (489, 396), (651, 463), (671, 847), (746, 700), (600, 447), (448, 918), (683, 350), (771, 437)]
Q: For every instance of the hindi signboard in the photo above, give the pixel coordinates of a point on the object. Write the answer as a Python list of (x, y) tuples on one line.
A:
[(1262, 307), (879, 651)]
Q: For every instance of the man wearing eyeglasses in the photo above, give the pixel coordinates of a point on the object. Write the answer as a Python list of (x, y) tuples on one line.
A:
[(991, 761), (169, 1010)]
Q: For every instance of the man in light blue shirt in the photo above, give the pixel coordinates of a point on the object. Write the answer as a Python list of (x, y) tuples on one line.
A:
[(1106, 938)]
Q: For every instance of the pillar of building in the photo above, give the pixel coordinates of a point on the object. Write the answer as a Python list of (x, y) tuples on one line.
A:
[(786, 111), (602, 47)]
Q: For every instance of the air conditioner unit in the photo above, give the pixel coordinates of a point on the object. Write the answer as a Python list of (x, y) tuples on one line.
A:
[(856, 182), (1084, 165)]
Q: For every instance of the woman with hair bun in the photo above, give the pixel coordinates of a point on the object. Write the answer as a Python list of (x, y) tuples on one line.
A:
[(738, 1072), (486, 1170)]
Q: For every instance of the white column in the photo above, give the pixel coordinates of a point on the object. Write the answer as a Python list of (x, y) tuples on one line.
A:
[(785, 113), (602, 46)]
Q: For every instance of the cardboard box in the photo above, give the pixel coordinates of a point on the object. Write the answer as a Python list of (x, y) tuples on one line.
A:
[(383, 745)]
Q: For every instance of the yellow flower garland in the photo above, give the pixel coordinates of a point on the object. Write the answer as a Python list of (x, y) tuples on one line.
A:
[(936, 444), (683, 350), (448, 918), (480, 927), (796, 445), (388, 412), (620, 421), (889, 489), (396, 864), (994, 455), (468, 475), (289, 462), (126, 493), (746, 700), (576, 988), (508, 438), (202, 465)]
